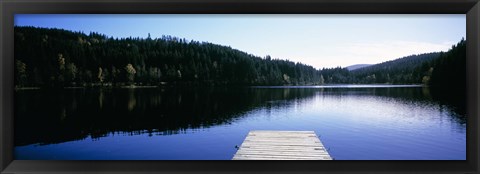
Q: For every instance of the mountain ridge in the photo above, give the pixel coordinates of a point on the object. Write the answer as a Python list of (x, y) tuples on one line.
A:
[(357, 66)]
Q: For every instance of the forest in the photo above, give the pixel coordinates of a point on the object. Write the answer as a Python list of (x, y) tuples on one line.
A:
[(59, 58)]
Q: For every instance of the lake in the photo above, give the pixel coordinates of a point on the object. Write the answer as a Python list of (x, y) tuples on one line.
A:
[(354, 122)]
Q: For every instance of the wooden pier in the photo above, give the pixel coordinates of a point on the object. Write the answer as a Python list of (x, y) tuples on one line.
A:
[(282, 145)]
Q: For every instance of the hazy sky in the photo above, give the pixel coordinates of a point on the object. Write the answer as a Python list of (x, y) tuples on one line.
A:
[(317, 40)]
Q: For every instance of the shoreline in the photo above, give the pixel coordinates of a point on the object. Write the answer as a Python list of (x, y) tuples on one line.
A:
[(249, 86)]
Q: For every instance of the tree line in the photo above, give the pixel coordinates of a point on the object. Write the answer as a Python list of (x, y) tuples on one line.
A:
[(60, 58)]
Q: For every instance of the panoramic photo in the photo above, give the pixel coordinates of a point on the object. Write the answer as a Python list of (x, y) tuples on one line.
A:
[(239, 87)]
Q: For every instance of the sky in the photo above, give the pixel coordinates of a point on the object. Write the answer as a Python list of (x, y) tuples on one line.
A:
[(320, 40)]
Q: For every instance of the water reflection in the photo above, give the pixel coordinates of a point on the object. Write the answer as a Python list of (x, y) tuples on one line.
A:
[(46, 117), (100, 99), (132, 102)]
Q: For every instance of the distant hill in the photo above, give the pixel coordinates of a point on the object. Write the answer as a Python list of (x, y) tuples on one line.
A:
[(407, 62), (357, 66), (408, 69), (405, 70)]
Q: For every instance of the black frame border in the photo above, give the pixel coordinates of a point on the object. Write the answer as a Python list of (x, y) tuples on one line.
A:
[(10, 7)]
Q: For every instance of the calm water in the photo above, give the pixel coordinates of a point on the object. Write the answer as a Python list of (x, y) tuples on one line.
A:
[(353, 122)]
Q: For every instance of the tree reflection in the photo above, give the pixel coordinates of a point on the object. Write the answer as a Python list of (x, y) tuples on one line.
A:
[(95, 112), (132, 101), (46, 117)]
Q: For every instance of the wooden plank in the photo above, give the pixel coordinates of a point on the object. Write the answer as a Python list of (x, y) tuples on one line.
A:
[(282, 131), (283, 149), (286, 154), (284, 139), (286, 144), (265, 157), (282, 136), (282, 145), (294, 154), (318, 157), (271, 158), (255, 158)]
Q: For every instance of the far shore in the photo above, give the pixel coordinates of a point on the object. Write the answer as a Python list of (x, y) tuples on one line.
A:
[(268, 86), (84, 87)]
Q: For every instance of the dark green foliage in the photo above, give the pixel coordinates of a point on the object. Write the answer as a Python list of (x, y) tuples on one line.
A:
[(448, 82), (449, 71), (57, 58), (406, 70), (64, 58)]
